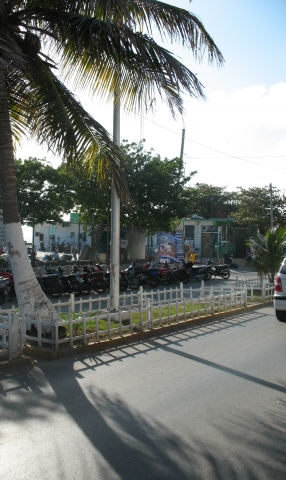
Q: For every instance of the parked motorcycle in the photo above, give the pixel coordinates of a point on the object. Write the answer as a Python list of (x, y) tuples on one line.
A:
[(100, 279), (165, 275), (7, 274), (4, 289), (198, 272), (50, 284), (219, 270), (84, 276), (145, 275), (71, 283)]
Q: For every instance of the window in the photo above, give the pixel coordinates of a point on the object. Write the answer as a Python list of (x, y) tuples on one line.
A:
[(190, 232)]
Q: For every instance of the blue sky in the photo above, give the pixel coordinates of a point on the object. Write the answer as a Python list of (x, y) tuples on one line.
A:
[(238, 136)]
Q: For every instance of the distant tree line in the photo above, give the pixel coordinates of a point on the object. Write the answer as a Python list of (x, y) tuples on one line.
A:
[(160, 191)]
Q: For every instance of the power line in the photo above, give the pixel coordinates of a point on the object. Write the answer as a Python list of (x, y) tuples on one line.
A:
[(242, 159)]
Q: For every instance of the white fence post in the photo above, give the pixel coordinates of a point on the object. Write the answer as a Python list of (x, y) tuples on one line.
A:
[(148, 313), (13, 337), (141, 296), (55, 330), (71, 303), (181, 291)]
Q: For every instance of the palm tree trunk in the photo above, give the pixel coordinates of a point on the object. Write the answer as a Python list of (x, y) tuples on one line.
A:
[(32, 302)]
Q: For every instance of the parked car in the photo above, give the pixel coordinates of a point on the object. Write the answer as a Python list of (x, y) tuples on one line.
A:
[(280, 293)]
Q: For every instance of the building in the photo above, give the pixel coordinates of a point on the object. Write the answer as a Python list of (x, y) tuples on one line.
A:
[(70, 237), (209, 239)]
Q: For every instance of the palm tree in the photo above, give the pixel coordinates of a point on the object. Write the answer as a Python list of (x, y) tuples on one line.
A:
[(268, 250), (94, 44)]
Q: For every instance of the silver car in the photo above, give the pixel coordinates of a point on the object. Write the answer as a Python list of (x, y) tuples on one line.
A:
[(280, 293)]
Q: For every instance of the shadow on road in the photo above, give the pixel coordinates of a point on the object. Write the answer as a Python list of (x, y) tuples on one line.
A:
[(123, 443)]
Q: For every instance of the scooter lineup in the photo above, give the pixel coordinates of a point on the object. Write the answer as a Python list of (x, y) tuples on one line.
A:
[(94, 278)]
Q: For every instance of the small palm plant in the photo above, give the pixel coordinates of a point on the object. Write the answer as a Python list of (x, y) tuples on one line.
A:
[(268, 250)]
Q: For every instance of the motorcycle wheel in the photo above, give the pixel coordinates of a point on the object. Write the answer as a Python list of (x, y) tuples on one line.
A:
[(86, 288), (166, 279), (2, 297), (100, 287), (225, 274), (207, 276), (153, 282), (174, 279), (55, 291), (134, 283), (123, 284), (76, 289), (184, 277)]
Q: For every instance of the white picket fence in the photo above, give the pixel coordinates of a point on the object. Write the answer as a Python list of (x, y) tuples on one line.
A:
[(11, 344), (91, 319)]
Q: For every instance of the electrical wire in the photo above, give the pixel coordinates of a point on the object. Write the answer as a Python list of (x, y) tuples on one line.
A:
[(243, 159)]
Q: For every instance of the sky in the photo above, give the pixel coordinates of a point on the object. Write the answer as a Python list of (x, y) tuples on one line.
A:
[(237, 137)]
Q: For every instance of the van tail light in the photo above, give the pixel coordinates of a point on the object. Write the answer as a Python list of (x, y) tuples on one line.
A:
[(278, 285)]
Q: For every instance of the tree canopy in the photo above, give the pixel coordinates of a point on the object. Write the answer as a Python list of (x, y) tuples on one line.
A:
[(44, 193), (253, 208), (156, 185), (210, 201)]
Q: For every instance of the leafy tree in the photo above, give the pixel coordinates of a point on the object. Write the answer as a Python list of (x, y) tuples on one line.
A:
[(44, 193), (98, 45), (268, 250), (253, 208), (157, 187), (210, 201)]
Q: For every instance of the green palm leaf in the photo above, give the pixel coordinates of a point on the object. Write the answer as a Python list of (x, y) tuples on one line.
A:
[(268, 250), (52, 115)]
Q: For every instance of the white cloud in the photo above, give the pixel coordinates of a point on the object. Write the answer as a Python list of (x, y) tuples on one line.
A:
[(248, 122)]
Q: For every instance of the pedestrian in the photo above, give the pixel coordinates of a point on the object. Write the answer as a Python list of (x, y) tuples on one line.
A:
[(70, 243)]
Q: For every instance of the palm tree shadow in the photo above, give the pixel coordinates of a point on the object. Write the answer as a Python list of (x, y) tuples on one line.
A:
[(133, 445)]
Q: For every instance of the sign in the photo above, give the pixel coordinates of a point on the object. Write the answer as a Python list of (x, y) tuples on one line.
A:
[(123, 243), (170, 247)]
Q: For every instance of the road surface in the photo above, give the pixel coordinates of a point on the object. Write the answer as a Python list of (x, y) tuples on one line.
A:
[(204, 403)]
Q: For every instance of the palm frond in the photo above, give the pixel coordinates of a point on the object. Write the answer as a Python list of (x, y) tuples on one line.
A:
[(93, 51), (43, 106), (174, 23), (268, 251)]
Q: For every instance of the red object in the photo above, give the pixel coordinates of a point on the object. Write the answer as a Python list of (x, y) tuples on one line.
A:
[(9, 276), (278, 285)]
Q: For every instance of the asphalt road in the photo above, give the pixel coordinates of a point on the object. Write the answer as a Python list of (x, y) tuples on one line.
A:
[(204, 403)]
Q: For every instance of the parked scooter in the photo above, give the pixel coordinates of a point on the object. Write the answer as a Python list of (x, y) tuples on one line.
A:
[(4, 289), (198, 272), (100, 279), (219, 270), (145, 275), (50, 284), (7, 274), (70, 283), (86, 285)]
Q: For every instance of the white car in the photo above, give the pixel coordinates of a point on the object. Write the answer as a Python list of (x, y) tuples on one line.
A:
[(280, 293)]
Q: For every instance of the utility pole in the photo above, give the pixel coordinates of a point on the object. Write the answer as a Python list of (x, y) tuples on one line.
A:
[(92, 240), (115, 219), (182, 152), (271, 206)]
